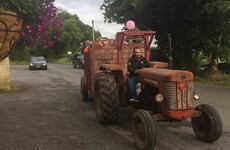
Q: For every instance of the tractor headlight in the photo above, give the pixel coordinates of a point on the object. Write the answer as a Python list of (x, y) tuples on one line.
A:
[(196, 96), (159, 98)]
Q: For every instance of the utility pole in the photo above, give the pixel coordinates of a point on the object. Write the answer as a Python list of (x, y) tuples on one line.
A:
[(93, 29)]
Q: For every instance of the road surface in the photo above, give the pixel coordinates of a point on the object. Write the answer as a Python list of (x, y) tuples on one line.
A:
[(47, 113)]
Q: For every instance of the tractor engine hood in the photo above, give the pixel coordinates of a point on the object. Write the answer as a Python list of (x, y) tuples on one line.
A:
[(155, 74)]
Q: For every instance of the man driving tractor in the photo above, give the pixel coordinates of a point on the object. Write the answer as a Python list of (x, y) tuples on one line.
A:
[(135, 63)]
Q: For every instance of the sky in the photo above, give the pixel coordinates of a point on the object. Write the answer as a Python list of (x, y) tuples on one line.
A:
[(88, 10)]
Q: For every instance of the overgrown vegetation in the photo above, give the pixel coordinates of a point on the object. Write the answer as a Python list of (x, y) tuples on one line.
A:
[(67, 60), (72, 39), (220, 80), (195, 26)]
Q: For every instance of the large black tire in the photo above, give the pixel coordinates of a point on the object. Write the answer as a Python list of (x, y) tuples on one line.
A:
[(84, 90), (208, 126), (143, 130), (106, 98)]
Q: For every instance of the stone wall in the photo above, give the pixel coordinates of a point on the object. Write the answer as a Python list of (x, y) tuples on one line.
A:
[(5, 74)]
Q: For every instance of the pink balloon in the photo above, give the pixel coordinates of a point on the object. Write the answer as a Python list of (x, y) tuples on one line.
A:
[(130, 25)]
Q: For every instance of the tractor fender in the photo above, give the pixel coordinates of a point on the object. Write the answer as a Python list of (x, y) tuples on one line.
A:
[(117, 70)]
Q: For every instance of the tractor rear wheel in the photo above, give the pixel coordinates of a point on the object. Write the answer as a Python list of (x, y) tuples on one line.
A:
[(143, 130), (84, 90), (208, 126), (106, 98)]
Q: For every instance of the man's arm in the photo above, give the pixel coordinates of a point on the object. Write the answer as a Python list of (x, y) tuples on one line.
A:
[(146, 63)]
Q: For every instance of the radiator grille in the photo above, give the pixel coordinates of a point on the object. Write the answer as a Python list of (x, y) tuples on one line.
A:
[(176, 98)]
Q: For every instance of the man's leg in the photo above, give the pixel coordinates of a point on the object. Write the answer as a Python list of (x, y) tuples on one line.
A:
[(132, 85)]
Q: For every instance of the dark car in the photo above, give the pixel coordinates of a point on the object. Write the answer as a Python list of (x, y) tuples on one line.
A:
[(38, 62), (78, 61)]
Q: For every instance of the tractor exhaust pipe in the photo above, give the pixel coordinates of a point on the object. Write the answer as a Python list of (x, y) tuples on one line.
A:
[(170, 59)]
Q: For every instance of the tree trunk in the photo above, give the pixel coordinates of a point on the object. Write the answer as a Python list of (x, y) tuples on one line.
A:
[(214, 57), (213, 63), (5, 75)]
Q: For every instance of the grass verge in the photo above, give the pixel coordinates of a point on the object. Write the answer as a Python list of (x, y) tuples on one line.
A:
[(223, 80), (65, 60)]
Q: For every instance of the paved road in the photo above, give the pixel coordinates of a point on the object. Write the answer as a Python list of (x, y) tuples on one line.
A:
[(48, 114)]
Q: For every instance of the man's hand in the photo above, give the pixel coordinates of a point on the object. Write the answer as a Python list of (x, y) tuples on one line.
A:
[(136, 71)]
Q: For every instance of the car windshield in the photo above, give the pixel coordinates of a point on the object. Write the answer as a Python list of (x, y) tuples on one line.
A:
[(38, 59)]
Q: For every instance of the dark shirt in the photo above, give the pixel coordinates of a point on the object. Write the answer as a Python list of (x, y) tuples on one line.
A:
[(135, 63)]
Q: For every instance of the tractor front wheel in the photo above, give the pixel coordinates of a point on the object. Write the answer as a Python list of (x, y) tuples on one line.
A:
[(143, 130), (106, 98), (208, 126)]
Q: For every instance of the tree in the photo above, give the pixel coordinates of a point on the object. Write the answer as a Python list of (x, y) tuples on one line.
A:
[(71, 35), (217, 43), (74, 32), (195, 25)]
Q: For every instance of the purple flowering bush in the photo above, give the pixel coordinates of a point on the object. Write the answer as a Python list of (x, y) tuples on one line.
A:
[(39, 17)]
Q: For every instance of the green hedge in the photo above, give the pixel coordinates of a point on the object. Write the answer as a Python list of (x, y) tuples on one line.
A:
[(224, 67)]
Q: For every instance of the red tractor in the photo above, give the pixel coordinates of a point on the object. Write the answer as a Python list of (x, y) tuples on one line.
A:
[(164, 94)]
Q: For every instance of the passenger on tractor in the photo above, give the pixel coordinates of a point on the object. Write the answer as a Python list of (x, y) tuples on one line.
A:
[(135, 63)]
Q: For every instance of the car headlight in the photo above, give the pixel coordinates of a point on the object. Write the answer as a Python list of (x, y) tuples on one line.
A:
[(31, 64)]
